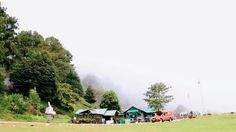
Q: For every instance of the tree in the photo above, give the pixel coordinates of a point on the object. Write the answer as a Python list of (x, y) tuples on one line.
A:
[(8, 25), (73, 79), (2, 76), (89, 95), (26, 41), (34, 101), (60, 57), (156, 96), (35, 71), (110, 101), (66, 97)]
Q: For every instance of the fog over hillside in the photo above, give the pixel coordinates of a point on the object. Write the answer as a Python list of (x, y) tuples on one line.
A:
[(101, 85), (130, 44)]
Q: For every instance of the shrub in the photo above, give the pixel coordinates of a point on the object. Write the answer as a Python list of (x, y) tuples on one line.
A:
[(66, 97), (14, 103), (2, 76), (85, 120), (35, 102)]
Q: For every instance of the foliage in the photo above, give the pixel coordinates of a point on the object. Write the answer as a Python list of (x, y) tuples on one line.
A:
[(89, 95), (35, 71), (26, 41), (85, 120), (2, 76), (35, 101), (73, 79), (15, 103), (156, 96), (8, 25), (98, 89), (21, 117), (66, 97), (60, 57), (110, 101), (29, 61)]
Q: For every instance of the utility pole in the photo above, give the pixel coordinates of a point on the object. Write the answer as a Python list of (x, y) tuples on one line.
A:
[(202, 98)]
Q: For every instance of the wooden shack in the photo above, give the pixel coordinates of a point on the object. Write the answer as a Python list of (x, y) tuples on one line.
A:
[(102, 116)]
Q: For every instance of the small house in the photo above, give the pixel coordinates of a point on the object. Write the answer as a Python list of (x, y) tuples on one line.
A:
[(135, 114), (101, 116)]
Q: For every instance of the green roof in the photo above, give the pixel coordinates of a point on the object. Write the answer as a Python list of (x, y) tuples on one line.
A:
[(132, 111), (148, 110), (135, 109)]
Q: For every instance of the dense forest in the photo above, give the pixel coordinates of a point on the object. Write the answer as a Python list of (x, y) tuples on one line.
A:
[(35, 70)]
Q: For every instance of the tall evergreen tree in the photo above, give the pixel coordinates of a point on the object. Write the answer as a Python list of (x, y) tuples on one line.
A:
[(156, 96), (89, 95)]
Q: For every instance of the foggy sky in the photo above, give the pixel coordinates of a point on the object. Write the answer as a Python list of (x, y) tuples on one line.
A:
[(133, 44)]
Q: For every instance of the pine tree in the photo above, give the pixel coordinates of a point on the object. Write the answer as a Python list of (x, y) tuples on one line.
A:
[(156, 96), (89, 95)]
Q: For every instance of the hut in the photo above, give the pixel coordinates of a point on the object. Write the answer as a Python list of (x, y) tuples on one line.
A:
[(135, 114), (101, 116)]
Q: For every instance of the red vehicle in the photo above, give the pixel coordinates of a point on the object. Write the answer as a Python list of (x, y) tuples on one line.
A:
[(162, 116)]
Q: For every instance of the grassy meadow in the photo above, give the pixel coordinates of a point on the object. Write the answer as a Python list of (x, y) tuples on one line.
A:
[(214, 123)]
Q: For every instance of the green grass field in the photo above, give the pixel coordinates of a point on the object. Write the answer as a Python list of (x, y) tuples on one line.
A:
[(216, 123)]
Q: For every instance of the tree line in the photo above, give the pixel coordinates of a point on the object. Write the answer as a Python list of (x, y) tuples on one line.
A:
[(35, 69)]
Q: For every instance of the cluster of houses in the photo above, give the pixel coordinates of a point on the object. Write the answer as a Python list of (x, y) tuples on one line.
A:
[(105, 116)]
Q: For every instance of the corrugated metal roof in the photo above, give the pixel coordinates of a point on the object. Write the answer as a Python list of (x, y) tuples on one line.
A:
[(80, 111), (110, 113), (148, 110), (98, 111), (132, 111)]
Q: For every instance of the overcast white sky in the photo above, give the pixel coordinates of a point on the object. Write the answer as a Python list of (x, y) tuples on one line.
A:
[(135, 43)]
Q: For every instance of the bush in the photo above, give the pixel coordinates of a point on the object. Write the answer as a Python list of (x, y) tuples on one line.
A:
[(2, 76), (35, 102), (85, 120), (14, 103), (66, 97)]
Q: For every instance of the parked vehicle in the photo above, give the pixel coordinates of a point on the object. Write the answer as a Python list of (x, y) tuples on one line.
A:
[(162, 116)]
